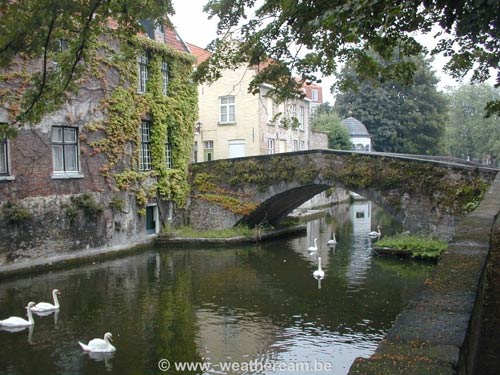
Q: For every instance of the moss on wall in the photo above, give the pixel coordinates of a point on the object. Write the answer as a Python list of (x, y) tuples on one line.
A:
[(451, 190)]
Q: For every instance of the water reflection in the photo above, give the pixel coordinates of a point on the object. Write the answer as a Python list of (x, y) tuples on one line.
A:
[(257, 303)]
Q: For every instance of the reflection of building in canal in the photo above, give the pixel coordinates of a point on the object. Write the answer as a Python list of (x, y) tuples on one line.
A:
[(360, 216), (361, 253), (223, 337)]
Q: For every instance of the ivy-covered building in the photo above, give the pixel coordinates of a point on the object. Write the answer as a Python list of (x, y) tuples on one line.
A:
[(107, 167)]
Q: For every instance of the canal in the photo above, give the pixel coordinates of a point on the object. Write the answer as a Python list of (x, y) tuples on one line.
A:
[(241, 307)]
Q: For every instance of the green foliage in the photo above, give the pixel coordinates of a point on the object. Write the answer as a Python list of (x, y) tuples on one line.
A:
[(172, 118), (338, 136), (85, 203), (32, 29), (15, 213), (340, 31), (469, 134), (400, 118), (188, 232), (117, 204), (420, 247)]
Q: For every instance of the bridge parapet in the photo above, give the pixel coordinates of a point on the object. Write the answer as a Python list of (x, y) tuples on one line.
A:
[(425, 195)]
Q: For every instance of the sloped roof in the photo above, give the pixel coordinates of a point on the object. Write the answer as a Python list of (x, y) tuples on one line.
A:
[(173, 39), (355, 127), (201, 54)]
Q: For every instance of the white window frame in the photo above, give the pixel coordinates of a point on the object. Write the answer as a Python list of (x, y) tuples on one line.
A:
[(314, 95), (164, 76), (302, 117), (143, 61), (62, 147), (271, 146), (227, 109), (168, 155), (4, 157), (208, 147), (302, 145), (295, 145), (145, 146)]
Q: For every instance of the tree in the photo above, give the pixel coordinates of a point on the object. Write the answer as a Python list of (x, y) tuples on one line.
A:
[(59, 36), (338, 136), (307, 37), (469, 134), (401, 118)]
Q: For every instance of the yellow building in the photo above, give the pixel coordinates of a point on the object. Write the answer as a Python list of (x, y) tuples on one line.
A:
[(235, 123)]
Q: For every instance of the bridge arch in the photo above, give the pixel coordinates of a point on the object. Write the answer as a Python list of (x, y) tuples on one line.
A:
[(423, 194)]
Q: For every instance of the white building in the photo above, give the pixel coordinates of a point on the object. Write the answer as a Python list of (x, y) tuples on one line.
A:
[(360, 138)]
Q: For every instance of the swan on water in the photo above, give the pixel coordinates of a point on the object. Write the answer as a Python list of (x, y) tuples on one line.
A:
[(15, 321), (319, 273), (99, 345), (315, 247), (333, 241), (42, 307), (377, 234)]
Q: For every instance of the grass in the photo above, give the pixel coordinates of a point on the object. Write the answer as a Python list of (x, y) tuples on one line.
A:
[(419, 246), (188, 232)]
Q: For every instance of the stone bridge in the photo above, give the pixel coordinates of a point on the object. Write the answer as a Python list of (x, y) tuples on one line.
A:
[(425, 194)]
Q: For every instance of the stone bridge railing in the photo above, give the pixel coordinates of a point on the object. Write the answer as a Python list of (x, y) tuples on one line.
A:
[(425, 195)]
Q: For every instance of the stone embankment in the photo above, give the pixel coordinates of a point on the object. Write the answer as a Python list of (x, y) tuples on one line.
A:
[(438, 332)]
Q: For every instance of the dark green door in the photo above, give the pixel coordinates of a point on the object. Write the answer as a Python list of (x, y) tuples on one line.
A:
[(150, 220)]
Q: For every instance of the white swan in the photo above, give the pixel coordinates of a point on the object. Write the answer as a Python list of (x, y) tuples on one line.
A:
[(377, 234), (333, 241), (15, 321), (99, 345), (42, 307), (319, 273), (315, 247)]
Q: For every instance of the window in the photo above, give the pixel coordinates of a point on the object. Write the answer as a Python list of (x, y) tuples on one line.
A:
[(4, 157), (270, 146), (227, 109), (294, 111), (64, 149), (302, 117), (62, 45), (145, 149), (295, 145), (168, 155), (164, 76), (195, 152), (143, 72), (314, 95), (302, 145), (208, 147)]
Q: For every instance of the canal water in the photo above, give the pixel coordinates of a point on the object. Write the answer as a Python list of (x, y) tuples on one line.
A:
[(245, 310)]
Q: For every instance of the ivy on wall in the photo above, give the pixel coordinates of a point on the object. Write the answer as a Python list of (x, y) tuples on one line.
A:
[(172, 118), (112, 61)]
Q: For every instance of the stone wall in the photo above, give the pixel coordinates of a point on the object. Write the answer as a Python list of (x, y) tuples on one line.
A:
[(56, 225), (318, 140), (438, 332)]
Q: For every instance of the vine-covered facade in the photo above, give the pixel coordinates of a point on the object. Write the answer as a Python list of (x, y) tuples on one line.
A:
[(109, 165)]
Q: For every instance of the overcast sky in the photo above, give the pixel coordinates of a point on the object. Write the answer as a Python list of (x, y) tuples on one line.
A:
[(194, 27)]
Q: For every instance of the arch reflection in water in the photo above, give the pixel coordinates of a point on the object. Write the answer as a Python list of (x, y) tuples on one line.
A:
[(238, 304)]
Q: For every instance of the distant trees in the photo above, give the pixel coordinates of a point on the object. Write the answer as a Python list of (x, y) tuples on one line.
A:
[(469, 134), (311, 36), (329, 122), (401, 118)]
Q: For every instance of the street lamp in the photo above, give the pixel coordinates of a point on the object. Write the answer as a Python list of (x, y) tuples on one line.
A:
[(197, 128)]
